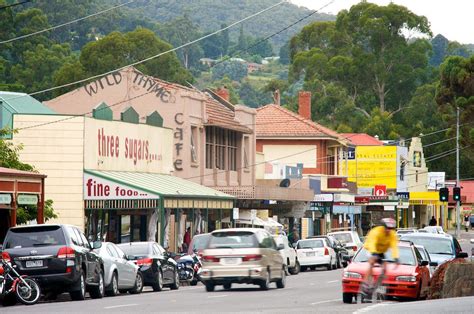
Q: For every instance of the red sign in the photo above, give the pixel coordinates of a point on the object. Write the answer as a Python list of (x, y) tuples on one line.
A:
[(380, 190)]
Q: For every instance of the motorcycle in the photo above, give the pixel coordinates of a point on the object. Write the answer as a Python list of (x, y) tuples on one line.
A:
[(26, 290), (189, 268)]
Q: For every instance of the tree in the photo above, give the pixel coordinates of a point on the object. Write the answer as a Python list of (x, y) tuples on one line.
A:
[(260, 47), (285, 54), (235, 70)]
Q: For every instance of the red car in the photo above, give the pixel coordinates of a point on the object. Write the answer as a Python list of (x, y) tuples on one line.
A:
[(410, 279)]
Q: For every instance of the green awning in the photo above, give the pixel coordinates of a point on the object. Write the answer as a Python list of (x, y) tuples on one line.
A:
[(166, 186)]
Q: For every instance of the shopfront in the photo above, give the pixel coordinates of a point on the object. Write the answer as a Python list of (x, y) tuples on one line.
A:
[(424, 205)]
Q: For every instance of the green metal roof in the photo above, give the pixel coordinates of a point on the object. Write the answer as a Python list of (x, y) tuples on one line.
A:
[(161, 184), (11, 102)]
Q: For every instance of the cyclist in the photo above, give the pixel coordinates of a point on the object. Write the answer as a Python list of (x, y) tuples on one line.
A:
[(378, 241)]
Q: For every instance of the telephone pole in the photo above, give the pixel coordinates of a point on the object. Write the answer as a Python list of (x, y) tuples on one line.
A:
[(458, 203)]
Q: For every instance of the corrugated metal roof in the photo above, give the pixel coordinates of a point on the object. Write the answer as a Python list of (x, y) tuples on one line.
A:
[(161, 184)]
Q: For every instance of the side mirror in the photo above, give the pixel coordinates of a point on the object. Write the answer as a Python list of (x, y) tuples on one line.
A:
[(96, 245), (433, 263), (461, 255), (280, 247), (425, 263)]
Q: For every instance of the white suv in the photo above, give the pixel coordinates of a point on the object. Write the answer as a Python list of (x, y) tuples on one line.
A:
[(350, 240), (289, 254)]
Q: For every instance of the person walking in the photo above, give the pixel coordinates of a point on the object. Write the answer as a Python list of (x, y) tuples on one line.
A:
[(466, 222), (433, 221)]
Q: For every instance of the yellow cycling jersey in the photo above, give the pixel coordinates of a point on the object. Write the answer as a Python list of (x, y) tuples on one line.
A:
[(377, 241)]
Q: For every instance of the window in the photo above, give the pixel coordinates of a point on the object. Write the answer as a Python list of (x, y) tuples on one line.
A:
[(246, 151), (84, 240), (80, 242), (209, 147), (221, 149), (111, 251), (194, 142), (232, 150), (402, 171)]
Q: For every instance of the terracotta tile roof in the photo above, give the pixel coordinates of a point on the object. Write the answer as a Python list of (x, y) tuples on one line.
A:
[(221, 116), (362, 139), (274, 120)]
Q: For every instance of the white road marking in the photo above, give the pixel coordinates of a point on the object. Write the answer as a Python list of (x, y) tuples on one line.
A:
[(325, 301), (333, 281), (371, 307), (218, 296), (117, 306)]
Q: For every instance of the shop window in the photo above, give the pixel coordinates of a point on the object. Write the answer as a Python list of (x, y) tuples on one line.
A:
[(194, 142)]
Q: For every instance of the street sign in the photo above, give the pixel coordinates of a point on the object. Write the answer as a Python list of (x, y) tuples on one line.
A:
[(253, 214), (5, 198), (235, 214), (380, 190), (27, 199)]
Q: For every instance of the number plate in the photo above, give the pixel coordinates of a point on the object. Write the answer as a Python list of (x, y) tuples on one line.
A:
[(230, 260), (381, 290), (310, 254), (38, 263)]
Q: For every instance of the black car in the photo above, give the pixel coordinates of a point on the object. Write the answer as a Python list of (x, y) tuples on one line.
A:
[(157, 266), (338, 248), (59, 257)]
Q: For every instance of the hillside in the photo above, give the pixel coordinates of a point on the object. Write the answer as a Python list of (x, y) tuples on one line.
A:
[(209, 15)]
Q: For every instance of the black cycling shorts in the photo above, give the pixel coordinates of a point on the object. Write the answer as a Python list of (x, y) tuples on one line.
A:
[(379, 257)]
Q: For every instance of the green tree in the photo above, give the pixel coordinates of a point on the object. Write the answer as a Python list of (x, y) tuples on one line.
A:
[(28, 213), (260, 47), (235, 70)]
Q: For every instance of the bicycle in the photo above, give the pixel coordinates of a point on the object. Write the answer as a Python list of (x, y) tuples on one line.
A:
[(377, 292)]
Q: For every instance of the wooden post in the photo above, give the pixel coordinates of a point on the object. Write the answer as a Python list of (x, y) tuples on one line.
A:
[(40, 205), (13, 211)]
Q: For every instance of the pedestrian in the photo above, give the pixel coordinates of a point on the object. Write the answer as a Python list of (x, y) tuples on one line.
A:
[(466, 222), (187, 239), (433, 221)]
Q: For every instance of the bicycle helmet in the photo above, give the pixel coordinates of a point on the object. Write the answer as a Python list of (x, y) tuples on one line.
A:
[(389, 223)]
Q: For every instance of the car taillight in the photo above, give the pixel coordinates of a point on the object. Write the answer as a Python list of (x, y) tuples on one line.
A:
[(66, 252), (6, 257), (2, 271), (326, 251), (210, 259), (145, 262), (354, 248), (252, 257)]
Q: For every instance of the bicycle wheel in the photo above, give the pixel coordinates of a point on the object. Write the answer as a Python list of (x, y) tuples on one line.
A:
[(27, 291)]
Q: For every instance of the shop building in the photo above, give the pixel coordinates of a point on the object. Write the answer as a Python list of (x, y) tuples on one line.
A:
[(113, 178)]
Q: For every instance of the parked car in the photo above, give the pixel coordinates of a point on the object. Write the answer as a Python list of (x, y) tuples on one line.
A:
[(120, 274), (410, 279), (59, 257), (426, 257), (337, 246), (402, 231), (158, 268), (434, 229), (316, 252), (441, 247), (350, 240), (288, 254), (242, 255), (198, 243)]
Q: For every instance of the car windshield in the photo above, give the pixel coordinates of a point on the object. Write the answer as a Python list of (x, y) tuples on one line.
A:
[(423, 253), (135, 249), (232, 240), (406, 256), (432, 245), (343, 237), (34, 237), (199, 242), (310, 244)]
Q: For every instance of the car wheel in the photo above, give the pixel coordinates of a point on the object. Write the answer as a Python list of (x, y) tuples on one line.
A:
[(265, 283), (158, 284), (138, 288), (339, 261), (80, 293), (194, 282), (175, 285), (329, 267), (295, 270), (227, 286), (210, 287), (113, 289), (97, 292), (303, 268), (347, 298), (282, 281), (335, 264)]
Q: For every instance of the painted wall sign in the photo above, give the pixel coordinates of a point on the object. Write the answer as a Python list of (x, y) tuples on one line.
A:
[(112, 145), (97, 188), (179, 137), (27, 199), (149, 83), (5, 198)]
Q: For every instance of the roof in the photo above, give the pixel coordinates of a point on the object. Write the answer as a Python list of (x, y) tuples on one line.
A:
[(19, 173), (362, 139), (161, 184), (276, 121)]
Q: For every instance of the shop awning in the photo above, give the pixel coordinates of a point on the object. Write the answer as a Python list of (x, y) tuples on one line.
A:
[(166, 186)]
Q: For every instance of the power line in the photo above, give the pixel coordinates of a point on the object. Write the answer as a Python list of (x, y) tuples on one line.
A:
[(157, 55), (14, 4), (65, 24)]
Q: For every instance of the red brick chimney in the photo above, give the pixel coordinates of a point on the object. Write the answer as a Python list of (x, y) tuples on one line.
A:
[(223, 93), (304, 104)]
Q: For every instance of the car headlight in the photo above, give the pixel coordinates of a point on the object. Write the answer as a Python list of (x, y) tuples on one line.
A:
[(406, 278), (349, 274)]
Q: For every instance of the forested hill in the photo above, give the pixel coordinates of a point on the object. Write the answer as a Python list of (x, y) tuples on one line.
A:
[(209, 15)]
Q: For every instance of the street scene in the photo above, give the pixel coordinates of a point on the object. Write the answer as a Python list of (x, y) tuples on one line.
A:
[(236, 156)]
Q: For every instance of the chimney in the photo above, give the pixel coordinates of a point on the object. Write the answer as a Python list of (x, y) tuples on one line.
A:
[(223, 93), (276, 97), (304, 104)]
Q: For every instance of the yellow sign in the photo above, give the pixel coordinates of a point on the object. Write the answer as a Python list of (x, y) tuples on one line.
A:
[(374, 165)]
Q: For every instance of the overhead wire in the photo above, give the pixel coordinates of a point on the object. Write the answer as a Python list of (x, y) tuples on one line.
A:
[(13, 4)]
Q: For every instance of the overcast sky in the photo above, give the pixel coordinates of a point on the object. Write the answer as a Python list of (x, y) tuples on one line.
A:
[(453, 19)]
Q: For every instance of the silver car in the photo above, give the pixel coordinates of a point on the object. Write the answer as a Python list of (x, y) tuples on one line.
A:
[(242, 255), (120, 274)]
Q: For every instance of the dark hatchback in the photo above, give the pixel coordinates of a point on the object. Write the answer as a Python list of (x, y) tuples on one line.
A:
[(157, 266), (59, 257)]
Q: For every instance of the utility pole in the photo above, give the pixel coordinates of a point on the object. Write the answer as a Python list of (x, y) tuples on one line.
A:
[(458, 203)]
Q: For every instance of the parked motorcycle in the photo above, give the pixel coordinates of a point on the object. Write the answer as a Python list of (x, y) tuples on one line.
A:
[(26, 290), (189, 268)]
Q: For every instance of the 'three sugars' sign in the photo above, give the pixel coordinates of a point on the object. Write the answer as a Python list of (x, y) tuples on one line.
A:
[(96, 188), (121, 146)]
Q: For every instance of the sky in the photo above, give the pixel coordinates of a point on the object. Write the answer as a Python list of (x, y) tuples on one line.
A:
[(453, 18)]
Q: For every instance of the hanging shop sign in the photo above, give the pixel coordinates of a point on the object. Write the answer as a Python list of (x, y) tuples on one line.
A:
[(380, 190), (27, 199), (5, 198), (344, 198), (323, 198), (97, 188), (115, 146)]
